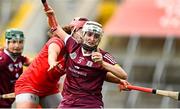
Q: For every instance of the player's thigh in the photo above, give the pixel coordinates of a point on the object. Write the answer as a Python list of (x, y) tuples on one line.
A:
[(26, 100), (51, 101)]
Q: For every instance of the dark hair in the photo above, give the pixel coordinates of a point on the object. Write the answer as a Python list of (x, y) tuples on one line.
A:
[(67, 29)]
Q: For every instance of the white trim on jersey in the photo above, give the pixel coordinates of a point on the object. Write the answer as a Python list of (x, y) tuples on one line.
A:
[(85, 54), (66, 38), (13, 58), (109, 58)]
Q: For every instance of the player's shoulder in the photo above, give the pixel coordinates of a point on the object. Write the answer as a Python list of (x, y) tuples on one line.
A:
[(103, 52), (55, 40), (71, 39), (2, 55)]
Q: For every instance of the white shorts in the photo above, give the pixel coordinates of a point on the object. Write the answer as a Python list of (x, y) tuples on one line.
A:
[(27, 97), (50, 101)]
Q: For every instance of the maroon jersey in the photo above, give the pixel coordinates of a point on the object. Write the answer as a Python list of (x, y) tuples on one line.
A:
[(10, 70), (84, 78)]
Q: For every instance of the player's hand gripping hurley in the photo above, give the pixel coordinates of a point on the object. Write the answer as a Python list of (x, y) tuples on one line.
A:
[(172, 94), (53, 23)]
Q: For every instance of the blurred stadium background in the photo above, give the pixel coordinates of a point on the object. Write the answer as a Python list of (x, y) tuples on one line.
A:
[(143, 35)]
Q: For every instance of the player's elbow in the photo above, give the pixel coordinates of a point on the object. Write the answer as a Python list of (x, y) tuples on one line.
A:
[(125, 76)]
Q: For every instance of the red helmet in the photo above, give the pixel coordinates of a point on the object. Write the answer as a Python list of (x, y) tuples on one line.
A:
[(78, 22)]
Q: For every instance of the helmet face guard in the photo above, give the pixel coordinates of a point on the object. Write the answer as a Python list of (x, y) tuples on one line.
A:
[(91, 27), (14, 35)]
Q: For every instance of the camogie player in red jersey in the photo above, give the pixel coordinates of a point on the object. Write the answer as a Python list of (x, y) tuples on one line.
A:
[(11, 63), (38, 85), (86, 67)]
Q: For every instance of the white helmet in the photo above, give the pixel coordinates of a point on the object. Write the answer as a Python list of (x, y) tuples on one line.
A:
[(96, 28), (91, 26)]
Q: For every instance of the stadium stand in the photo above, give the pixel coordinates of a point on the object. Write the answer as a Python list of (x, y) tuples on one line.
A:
[(147, 50)]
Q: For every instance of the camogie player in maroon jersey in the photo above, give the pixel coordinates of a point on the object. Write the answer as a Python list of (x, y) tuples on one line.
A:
[(86, 67), (11, 63)]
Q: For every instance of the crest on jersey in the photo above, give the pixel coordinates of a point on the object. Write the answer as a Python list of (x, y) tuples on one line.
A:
[(10, 67), (89, 63), (73, 55)]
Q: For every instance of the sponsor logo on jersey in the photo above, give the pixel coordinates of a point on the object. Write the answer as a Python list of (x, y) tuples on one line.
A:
[(77, 67), (16, 66), (76, 73)]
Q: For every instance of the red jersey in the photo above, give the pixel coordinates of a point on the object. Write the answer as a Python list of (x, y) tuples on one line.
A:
[(10, 70), (84, 78), (36, 79)]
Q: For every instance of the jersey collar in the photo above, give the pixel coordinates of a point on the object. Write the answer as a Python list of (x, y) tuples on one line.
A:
[(84, 52), (13, 58)]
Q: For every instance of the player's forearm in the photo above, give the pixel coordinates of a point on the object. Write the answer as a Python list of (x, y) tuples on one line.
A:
[(111, 78), (116, 70), (52, 19), (52, 57), (53, 23), (60, 33), (53, 52)]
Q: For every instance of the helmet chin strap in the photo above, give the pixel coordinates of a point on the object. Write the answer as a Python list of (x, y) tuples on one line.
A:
[(14, 55), (88, 48)]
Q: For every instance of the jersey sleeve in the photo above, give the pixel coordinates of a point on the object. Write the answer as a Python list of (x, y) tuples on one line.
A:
[(56, 40), (2, 61), (109, 58), (71, 44)]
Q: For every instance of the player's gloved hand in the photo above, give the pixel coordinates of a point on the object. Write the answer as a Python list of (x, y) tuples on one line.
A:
[(123, 85), (97, 57)]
